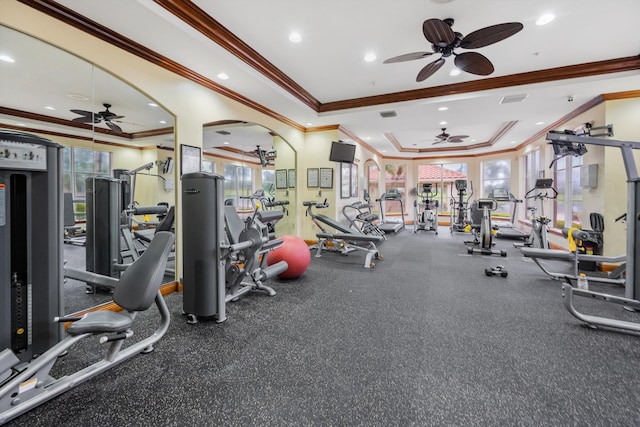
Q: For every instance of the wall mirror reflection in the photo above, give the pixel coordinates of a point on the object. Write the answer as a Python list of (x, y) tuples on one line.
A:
[(247, 155), (116, 140)]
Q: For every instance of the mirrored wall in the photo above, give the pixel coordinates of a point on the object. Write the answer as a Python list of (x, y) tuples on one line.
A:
[(108, 128), (259, 168)]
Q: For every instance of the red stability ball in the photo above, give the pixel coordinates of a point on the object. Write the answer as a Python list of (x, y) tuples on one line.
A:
[(295, 252)]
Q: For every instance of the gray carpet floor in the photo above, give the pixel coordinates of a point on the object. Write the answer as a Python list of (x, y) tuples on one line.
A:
[(425, 338)]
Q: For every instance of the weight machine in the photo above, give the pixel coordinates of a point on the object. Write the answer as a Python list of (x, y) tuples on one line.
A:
[(573, 143)]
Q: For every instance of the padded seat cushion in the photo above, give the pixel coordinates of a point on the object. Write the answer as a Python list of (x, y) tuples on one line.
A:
[(99, 322)]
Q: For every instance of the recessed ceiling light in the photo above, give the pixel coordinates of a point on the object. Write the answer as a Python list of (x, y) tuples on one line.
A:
[(443, 108), (309, 124), (295, 37), (370, 57), (49, 107), (545, 19), (473, 140), (77, 97), (226, 142), (540, 123), (512, 142), (164, 122), (367, 138), (455, 72), (152, 104), (6, 58), (223, 76), (22, 124), (443, 123)]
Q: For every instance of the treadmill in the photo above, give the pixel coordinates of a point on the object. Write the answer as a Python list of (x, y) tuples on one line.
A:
[(506, 229), (387, 224)]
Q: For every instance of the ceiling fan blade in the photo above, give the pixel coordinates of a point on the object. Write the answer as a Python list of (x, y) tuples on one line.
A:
[(489, 35), (454, 140), (407, 57), (429, 69), (82, 112), (438, 32), (458, 136), (86, 119), (474, 63), (440, 141), (114, 127)]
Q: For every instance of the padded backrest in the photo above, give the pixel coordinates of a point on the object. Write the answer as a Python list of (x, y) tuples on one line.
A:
[(597, 222), (167, 222), (139, 284), (234, 224)]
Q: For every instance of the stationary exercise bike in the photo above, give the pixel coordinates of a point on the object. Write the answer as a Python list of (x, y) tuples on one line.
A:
[(542, 190), (23, 386), (482, 230), (426, 209)]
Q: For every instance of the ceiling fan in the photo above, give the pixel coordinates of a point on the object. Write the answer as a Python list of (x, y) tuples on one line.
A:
[(445, 137), (444, 40), (107, 116)]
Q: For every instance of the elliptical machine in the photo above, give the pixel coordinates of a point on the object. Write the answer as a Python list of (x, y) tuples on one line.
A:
[(426, 209), (482, 229), (459, 207), (542, 190)]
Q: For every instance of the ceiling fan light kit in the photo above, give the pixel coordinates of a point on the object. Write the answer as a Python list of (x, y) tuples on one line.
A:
[(444, 41)]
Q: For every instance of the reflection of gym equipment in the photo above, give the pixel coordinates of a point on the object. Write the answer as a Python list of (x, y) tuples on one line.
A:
[(460, 205), (386, 224), (269, 207), (26, 386), (507, 229), (346, 240), (220, 267), (426, 209), (362, 219), (73, 234), (482, 229), (542, 190), (569, 144), (30, 237)]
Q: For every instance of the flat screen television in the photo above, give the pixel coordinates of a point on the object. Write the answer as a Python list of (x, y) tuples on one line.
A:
[(341, 152)]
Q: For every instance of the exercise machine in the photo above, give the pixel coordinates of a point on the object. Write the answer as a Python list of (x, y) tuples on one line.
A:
[(23, 386), (344, 239), (362, 219), (386, 224), (223, 257), (460, 206), (425, 216), (507, 229), (481, 228), (31, 255), (569, 143), (541, 191)]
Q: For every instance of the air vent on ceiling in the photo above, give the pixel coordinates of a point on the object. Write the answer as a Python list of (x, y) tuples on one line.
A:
[(223, 132), (387, 114), (513, 98)]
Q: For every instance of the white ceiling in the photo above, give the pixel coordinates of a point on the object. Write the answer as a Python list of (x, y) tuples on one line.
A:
[(328, 62)]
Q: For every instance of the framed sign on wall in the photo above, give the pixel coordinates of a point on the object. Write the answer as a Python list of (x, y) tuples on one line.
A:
[(190, 159)]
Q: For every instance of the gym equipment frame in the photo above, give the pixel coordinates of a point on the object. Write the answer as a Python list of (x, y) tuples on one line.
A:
[(425, 210), (569, 143), (23, 386)]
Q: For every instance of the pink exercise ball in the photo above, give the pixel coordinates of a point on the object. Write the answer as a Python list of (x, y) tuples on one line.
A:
[(295, 252)]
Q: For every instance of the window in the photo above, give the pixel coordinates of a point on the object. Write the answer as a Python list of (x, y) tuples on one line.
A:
[(78, 165), (568, 204), (532, 173), (497, 174), (268, 180), (208, 166), (442, 177), (238, 182)]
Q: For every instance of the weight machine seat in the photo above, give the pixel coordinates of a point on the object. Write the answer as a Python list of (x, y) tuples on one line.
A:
[(135, 291), (270, 216), (351, 236), (560, 255)]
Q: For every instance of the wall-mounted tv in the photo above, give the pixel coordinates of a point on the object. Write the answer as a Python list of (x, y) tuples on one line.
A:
[(341, 152)]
